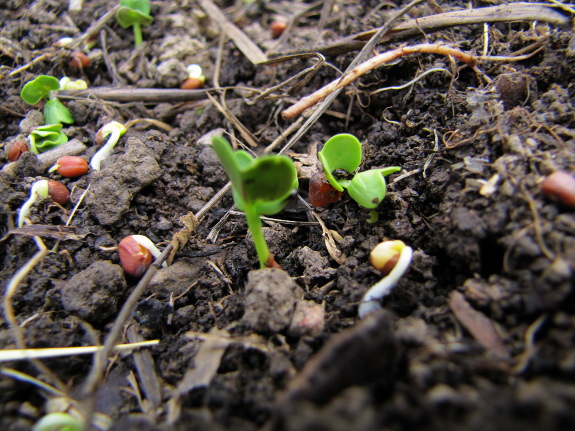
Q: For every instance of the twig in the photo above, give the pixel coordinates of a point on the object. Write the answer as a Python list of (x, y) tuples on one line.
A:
[(504, 13), (153, 95), (11, 288), (54, 352), (99, 363), (243, 42), (381, 59), (365, 52)]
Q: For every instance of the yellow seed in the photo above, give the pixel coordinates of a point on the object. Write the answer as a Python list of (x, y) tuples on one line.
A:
[(385, 255)]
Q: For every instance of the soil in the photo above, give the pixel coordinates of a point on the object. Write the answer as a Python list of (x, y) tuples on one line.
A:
[(477, 335)]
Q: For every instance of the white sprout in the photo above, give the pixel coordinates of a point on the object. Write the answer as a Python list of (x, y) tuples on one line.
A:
[(112, 131), (39, 190), (64, 41), (67, 84), (195, 71), (146, 242), (371, 300)]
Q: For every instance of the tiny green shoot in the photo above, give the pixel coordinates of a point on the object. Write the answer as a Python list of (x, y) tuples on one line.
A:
[(46, 137), (110, 133), (134, 13), (344, 151), (44, 87), (260, 186), (58, 421)]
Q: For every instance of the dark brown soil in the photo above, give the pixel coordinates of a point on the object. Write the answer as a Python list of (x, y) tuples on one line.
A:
[(478, 335)]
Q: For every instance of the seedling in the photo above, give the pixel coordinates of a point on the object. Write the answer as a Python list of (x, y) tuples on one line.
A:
[(340, 156), (260, 186), (196, 77), (134, 13), (136, 253), (79, 60), (110, 134), (41, 190), (58, 421), (70, 166), (392, 258), (43, 87), (46, 137)]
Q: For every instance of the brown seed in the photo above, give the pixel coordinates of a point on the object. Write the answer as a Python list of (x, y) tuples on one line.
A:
[(15, 150), (560, 187), (134, 258), (277, 28), (58, 192), (79, 60), (72, 166), (192, 84), (321, 192)]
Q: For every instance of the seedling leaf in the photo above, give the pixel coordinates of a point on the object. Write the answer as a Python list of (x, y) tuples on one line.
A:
[(134, 13), (260, 186), (56, 113), (341, 151), (39, 88), (44, 138), (368, 188)]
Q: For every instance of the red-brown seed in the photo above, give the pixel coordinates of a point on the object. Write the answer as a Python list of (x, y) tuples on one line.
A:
[(192, 84), (15, 150), (560, 187), (277, 28), (134, 258), (79, 60), (72, 166), (321, 193), (58, 192)]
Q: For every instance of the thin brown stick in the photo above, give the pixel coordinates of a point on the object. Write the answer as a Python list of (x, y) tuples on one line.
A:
[(368, 66), (503, 13), (386, 57), (99, 364), (153, 95), (240, 39)]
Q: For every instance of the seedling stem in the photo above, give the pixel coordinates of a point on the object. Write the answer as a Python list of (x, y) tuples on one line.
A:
[(371, 300)]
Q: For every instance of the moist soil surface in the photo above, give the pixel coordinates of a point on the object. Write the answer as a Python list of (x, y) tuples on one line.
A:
[(477, 335)]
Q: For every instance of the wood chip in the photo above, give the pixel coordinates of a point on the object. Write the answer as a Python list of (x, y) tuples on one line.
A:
[(479, 325)]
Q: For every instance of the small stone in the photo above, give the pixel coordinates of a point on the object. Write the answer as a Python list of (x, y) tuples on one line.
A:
[(271, 296), (308, 319), (94, 293)]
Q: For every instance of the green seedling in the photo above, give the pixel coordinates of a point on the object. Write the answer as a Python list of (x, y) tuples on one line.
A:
[(110, 134), (44, 87), (46, 137), (58, 421), (343, 152), (260, 186), (134, 13)]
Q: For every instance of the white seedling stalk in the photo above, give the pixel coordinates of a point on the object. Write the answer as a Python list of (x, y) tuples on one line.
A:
[(372, 299), (112, 131), (38, 191), (146, 242)]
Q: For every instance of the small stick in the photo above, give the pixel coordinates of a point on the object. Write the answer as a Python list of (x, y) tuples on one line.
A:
[(154, 95), (381, 59)]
